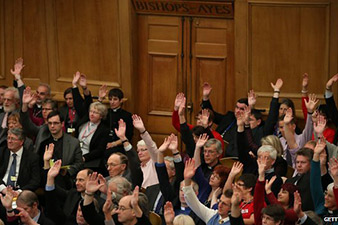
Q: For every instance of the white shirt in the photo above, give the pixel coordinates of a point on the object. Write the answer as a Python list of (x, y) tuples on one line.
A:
[(87, 131), (18, 161)]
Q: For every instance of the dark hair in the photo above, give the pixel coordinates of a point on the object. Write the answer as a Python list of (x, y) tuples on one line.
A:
[(249, 181), (257, 114), (288, 102), (67, 91), (276, 211), (291, 189), (223, 173), (243, 100), (89, 171), (17, 132), (197, 130), (123, 158), (228, 193), (3, 86), (55, 113), (115, 92), (308, 153)]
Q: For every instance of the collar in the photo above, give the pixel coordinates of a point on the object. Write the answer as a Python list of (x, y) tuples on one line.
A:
[(93, 124), (57, 139), (270, 170), (223, 220), (18, 153), (116, 109), (36, 218)]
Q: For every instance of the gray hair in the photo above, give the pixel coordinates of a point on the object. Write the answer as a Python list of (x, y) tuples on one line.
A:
[(17, 132), (270, 149), (15, 93), (46, 86), (99, 107), (123, 186), (141, 143), (217, 143)]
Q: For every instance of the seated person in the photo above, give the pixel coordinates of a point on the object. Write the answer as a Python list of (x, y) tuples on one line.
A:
[(302, 179), (26, 176), (68, 112), (28, 205)]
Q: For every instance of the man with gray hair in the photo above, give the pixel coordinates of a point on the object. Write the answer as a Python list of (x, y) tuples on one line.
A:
[(19, 167), (11, 102), (211, 152)]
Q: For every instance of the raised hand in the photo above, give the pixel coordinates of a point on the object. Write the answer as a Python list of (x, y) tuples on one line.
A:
[(25, 217), (305, 81), (333, 165), (134, 198), (76, 78), (240, 118), (93, 184), (55, 169), (203, 138), (83, 81), (247, 114), (278, 85), (121, 132), (236, 168), (18, 66), (102, 180), (27, 96), (49, 150), (311, 104), (204, 118), (169, 213), (173, 143), (261, 161), (297, 204), (320, 125), (252, 98), (206, 90), (103, 92), (8, 198), (288, 116), (165, 145), (107, 206), (331, 81), (320, 146), (138, 123), (268, 184), (181, 108), (190, 169), (178, 100), (236, 198)]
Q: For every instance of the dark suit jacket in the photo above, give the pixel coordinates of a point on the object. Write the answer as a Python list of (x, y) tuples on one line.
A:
[(303, 185), (43, 220), (29, 173)]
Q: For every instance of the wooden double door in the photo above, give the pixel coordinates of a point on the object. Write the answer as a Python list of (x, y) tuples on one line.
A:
[(178, 54)]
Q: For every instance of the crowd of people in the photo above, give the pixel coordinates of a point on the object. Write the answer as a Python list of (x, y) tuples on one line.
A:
[(76, 164)]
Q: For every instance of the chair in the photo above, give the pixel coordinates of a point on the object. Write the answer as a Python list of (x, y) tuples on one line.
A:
[(228, 162), (155, 219)]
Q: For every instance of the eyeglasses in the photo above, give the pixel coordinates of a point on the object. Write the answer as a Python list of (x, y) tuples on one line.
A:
[(12, 139), (223, 203), (41, 93), (216, 176), (93, 111), (46, 109), (111, 165), (240, 184)]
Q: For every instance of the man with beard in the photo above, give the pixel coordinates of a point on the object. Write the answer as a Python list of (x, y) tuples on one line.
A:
[(11, 101)]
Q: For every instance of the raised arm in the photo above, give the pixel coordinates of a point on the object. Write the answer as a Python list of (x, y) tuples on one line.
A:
[(18, 66), (151, 145), (332, 108), (199, 144), (305, 83), (175, 118)]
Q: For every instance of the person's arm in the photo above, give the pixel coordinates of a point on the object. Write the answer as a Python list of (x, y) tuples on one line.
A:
[(259, 191), (28, 126), (18, 66), (96, 150), (315, 179), (134, 203), (199, 144), (203, 212), (273, 111), (237, 167), (334, 172), (175, 118), (169, 214), (289, 136), (330, 103), (78, 161), (305, 83), (236, 215), (207, 105), (308, 130)]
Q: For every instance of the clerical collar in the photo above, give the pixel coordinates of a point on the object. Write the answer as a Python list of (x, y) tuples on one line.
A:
[(39, 106), (183, 208), (56, 139), (116, 109), (223, 220), (270, 170)]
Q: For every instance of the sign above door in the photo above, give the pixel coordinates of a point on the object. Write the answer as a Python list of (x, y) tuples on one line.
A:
[(218, 9)]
